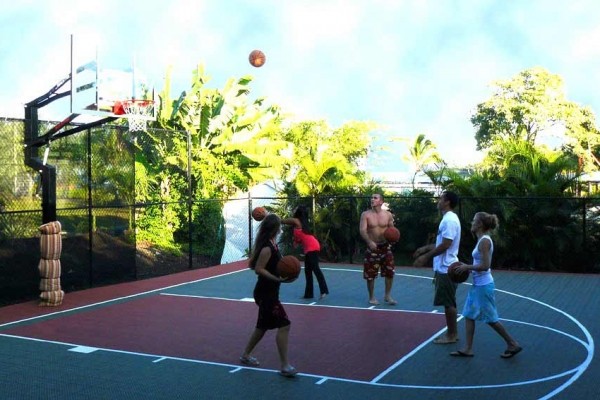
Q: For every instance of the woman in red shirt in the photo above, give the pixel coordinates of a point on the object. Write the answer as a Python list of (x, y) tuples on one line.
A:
[(311, 248)]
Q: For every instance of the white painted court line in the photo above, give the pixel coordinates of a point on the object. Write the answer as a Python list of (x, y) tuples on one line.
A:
[(84, 349), (117, 299), (575, 372)]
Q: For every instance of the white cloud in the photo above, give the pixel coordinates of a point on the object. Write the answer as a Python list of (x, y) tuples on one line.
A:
[(413, 65), (586, 46), (310, 24)]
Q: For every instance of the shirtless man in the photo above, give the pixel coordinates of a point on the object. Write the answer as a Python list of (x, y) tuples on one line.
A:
[(378, 255)]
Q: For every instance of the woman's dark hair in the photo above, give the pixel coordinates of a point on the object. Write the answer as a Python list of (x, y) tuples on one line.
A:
[(268, 229), (302, 214), (451, 197)]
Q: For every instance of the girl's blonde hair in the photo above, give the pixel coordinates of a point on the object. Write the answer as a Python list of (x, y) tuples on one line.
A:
[(489, 221)]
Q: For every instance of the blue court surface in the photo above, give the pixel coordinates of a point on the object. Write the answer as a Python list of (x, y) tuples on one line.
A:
[(180, 337)]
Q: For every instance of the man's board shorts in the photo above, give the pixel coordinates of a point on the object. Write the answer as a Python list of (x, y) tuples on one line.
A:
[(445, 290), (380, 261)]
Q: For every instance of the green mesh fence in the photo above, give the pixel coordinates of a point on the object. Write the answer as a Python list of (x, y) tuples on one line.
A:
[(126, 213)]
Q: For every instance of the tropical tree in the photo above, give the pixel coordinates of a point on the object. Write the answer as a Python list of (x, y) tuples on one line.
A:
[(583, 140), (326, 160), (324, 163), (422, 153), (529, 188), (225, 141), (531, 104), (233, 139)]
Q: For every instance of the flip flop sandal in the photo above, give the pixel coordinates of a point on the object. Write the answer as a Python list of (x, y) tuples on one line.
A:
[(288, 372), (460, 353), (511, 353), (251, 361)]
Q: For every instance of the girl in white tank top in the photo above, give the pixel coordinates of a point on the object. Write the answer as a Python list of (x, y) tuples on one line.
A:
[(481, 302), (481, 278)]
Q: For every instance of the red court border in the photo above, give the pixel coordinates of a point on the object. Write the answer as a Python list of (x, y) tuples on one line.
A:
[(87, 297)]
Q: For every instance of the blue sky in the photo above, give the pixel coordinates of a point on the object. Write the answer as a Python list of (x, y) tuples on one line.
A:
[(413, 66)]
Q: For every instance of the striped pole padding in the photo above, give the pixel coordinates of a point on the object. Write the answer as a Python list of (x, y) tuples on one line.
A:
[(49, 269), (49, 266)]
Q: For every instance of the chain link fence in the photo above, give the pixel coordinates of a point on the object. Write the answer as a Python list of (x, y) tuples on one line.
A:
[(121, 223)]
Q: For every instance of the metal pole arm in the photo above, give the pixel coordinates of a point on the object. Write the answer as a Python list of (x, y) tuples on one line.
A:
[(45, 97)]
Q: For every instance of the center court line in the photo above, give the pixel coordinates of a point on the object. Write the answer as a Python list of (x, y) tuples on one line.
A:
[(409, 355), (576, 371)]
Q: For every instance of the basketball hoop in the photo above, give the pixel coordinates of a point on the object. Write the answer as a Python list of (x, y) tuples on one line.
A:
[(138, 111)]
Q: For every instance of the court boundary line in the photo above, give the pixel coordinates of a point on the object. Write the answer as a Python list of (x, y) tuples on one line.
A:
[(414, 351), (577, 372), (116, 299), (322, 378)]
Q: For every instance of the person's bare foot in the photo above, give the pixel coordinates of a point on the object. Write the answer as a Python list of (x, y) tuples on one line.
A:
[(445, 340)]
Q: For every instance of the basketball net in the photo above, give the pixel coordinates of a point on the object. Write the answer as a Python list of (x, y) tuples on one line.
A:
[(139, 111)]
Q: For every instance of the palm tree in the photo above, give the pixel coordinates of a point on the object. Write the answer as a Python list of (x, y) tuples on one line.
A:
[(325, 171), (421, 153), (325, 160)]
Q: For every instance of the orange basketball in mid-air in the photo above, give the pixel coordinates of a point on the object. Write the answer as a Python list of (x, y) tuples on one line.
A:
[(391, 234), (289, 267), (257, 58), (259, 213)]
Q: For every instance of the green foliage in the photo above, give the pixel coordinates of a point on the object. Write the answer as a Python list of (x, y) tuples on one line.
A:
[(207, 229), (153, 225), (16, 180), (18, 225), (583, 141), (533, 103), (524, 185), (535, 233), (520, 108), (233, 145), (515, 167), (233, 139), (417, 217), (337, 220), (422, 153), (326, 160), (162, 184)]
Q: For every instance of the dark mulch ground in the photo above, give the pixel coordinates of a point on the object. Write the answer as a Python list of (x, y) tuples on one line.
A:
[(112, 260)]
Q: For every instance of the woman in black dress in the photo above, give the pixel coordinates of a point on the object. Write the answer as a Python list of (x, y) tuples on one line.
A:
[(271, 314)]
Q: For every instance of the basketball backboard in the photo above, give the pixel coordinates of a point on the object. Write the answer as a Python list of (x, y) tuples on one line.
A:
[(100, 84)]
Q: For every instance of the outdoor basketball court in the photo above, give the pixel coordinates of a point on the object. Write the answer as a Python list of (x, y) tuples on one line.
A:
[(180, 336)]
